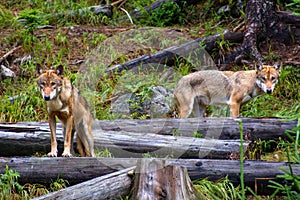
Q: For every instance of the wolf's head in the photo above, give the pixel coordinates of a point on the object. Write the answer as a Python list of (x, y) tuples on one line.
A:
[(267, 77), (49, 82)]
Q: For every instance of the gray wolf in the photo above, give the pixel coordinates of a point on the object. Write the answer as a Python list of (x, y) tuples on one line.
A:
[(65, 102), (197, 90)]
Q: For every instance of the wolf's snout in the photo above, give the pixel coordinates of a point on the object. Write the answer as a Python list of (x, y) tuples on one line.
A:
[(47, 98), (269, 91)]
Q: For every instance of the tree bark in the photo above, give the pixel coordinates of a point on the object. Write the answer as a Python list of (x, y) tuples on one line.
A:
[(112, 186), (159, 136), (76, 170), (154, 180), (123, 144), (210, 127), (262, 23)]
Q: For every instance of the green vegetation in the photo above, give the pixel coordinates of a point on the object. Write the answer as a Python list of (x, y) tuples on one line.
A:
[(11, 189), (295, 7), (291, 189), (77, 34), (222, 189)]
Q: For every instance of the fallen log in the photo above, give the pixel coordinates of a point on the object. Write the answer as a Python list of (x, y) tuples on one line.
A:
[(27, 138), (76, 170), (210, 127), (154, 180), (168, 56), (120, 144), (112, 186)]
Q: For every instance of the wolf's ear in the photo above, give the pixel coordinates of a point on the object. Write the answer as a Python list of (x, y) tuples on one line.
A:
[(60, 70), (259, 66), (277, 66), (38, 69)]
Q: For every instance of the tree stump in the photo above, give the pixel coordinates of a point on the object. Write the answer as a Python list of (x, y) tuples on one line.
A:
[(154, 180)]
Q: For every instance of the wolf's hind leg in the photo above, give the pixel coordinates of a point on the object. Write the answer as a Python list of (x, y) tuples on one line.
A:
[(198, 108), (84, 133)]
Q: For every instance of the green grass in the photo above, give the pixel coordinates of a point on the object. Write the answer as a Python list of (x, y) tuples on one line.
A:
[(223, 189)]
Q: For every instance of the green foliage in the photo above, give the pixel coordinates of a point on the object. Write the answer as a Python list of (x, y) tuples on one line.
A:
[(168, 14), (242, 160), (291, 187), (58, 184), (295, 6), (197, 134), (9, 187), (105, 153), (6, 17), (222, 189), (32, 17), (27, 106)]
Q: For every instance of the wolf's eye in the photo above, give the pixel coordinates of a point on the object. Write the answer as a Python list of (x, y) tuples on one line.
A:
[(263, 78), (272, 78), (43, 84), (53, 83)]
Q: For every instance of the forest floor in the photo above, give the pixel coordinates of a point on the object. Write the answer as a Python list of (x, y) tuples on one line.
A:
[(77, 51)]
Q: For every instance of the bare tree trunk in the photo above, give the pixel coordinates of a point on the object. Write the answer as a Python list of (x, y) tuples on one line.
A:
[(262, 23)]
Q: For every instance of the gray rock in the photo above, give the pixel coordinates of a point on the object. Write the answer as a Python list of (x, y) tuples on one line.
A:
[(6, 73), (131, 105)]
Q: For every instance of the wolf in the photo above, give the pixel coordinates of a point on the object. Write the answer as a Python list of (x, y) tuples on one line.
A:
[(66, 103), (197, 90)]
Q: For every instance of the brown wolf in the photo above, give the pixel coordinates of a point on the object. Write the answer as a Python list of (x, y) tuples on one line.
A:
[(211, 87), (64, 101)]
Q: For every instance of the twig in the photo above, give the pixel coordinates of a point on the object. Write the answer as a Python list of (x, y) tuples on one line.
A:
[(127, 15), (8, 53), (117, 2)]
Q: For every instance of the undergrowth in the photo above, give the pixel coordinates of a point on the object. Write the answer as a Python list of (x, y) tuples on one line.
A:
[(10, 189)]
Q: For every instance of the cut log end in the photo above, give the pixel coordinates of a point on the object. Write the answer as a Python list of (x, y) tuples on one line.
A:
[(154, 180)]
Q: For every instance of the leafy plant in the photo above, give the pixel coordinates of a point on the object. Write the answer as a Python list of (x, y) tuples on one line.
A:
[(291, 187), (169, 13), (9, 186), (32, 18), (197, 134)]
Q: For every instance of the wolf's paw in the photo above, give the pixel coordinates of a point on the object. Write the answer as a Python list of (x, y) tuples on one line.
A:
[(52, 154), (66, 154)]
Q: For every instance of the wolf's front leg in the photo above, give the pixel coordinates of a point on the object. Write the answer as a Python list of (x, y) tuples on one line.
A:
[(234, 109), (52, 124), (68, 136)]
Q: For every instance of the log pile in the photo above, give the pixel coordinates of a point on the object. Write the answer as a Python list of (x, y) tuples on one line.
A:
[(82, 170)]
